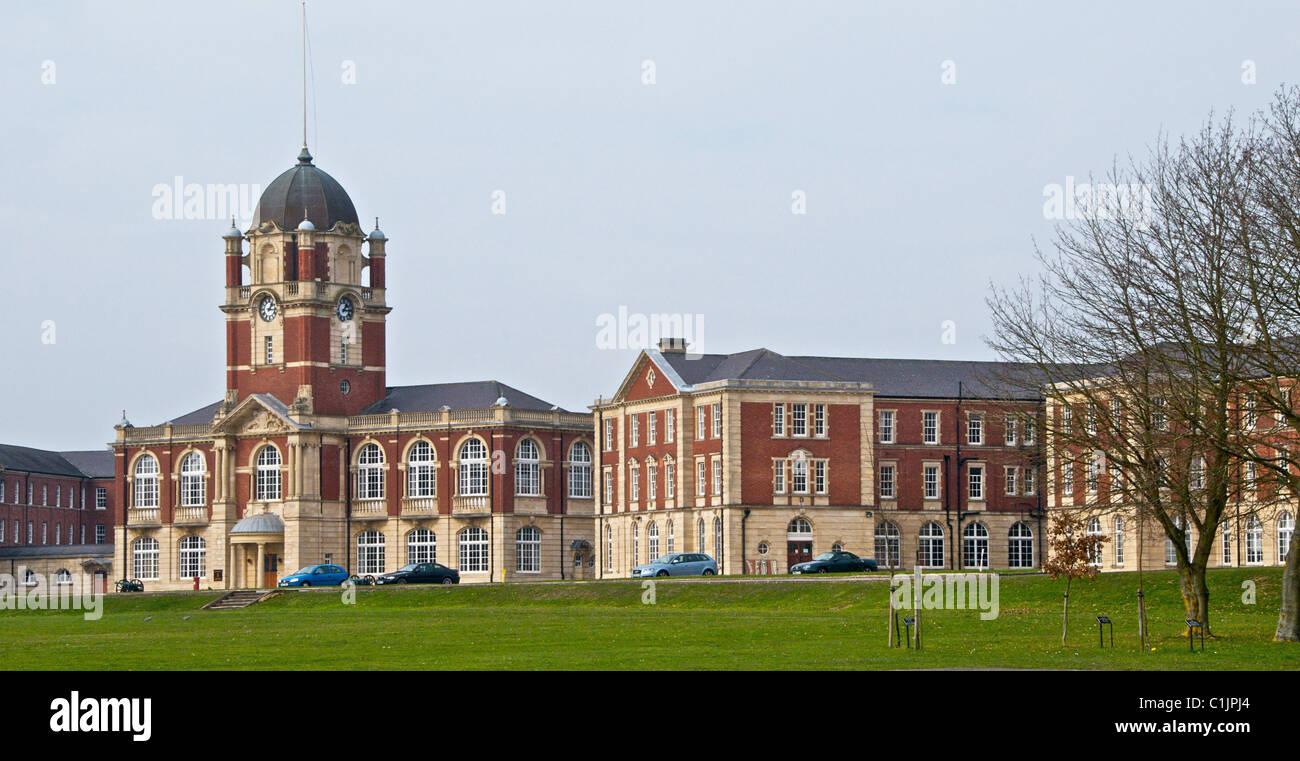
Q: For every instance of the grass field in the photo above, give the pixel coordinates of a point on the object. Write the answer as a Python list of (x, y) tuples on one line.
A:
[(786, 624)]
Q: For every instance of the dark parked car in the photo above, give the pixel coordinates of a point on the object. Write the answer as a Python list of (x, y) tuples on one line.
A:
[(837, 561), (420, 573)]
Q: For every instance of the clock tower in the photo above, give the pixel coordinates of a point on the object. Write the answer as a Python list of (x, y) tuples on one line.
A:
[(306, 325)]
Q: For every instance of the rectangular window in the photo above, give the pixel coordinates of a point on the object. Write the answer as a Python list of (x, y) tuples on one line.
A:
[(778, 419), (699, 423), (651, 481), (1009, 478), (799, 474), (634, 483), (1067, 478), (1116, 415), (1094, 471), (1250, 415), (717, 420), (1197, 474), (101, 498), (270, 350), (343, 352), (2, 530), (798, 420), (701, 485), (1010, 431), (1159, 417), (670, 425), (930, 476), (609, 486), (886, 426), (609, 435), (670, 480), (636, 430), (651, 426), (976, 481), (930, 427), (819, 420), (887, 487), (778, 476), (1031, 428), (819, 476), (975, 429), (717, 476)]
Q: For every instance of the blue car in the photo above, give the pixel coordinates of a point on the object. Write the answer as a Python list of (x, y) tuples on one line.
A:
[(678, 564), (316, 576)]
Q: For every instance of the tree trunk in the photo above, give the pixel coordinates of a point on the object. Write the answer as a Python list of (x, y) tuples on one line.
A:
[(1288, 620), (1065, 612), (1196, 595)]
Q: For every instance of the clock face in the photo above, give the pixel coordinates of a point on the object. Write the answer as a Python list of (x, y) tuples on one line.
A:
[(267, 308), (345, 309)]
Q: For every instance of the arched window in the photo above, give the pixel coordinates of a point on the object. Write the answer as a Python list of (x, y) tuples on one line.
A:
[(370, 552), (975, 546), (421, 471), (62, 577), (473, 470), (652, 540), (473, 546), (145, 485), (1094, 551), (1020, 546), (717, 541), (580, 470), (699, 540), (144, 558), (800, 526), (30, 579), (370, 473), (421, 546), (636, 543), (672, 543), (266, 483), (1254, 541), (528, 550), (193, 557), (193, 473), (528, 480), (931, 545), (1285, 527), (889, 545)]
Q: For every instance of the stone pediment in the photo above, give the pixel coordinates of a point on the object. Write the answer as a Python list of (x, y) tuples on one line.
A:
[(257, 415)]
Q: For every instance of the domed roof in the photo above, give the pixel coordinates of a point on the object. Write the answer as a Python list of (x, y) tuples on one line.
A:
[(304, 189), (259, 523)]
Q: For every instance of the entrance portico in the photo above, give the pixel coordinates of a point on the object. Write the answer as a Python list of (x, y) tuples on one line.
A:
[(256, 551)]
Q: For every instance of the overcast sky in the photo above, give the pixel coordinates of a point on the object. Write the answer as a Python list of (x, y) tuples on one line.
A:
[(672, 197)]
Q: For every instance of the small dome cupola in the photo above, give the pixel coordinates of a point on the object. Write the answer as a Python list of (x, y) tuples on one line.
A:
[(304, 188)]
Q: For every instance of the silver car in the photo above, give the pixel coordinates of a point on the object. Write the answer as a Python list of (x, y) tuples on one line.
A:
[(678, 564)]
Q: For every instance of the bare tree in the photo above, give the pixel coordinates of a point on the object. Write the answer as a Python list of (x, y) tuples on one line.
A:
[(1132, 329)]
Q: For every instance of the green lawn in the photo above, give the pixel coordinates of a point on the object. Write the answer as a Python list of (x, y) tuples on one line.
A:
[(788, 624)]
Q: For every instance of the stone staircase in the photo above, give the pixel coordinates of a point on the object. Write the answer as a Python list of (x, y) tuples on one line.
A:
[(239, 598)]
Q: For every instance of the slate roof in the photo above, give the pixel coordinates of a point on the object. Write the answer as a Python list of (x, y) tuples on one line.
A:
[(472, 395), (201, 415), (57, 551), (28, 459), (904, 378), (96, 463), (304, 188)]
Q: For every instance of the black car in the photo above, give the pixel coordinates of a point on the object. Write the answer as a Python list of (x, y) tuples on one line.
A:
[(836, 561), (420, 573)]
